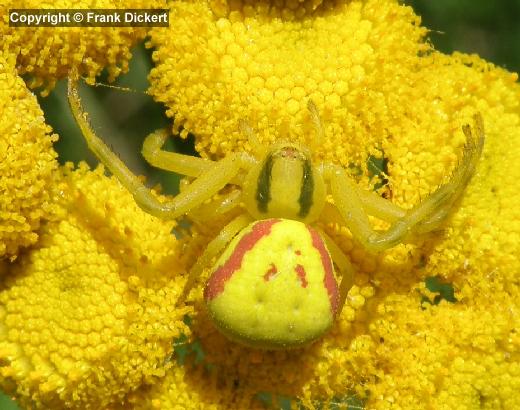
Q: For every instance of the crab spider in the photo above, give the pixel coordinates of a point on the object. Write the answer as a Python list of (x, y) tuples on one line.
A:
[(273, 285)]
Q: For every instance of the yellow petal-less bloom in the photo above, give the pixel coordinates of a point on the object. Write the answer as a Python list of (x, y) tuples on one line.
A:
[(89, 315), (263, 62), (48, 53), (27, 163), (379, 87)]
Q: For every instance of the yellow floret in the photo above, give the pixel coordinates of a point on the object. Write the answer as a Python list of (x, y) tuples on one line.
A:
[(180, 391), (264, 60), (27, 163), (379, 88), (48, 53), (90, 315)]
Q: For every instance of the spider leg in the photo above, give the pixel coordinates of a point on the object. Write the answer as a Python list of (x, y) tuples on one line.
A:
[(317, 124), (224, 204), (247, 131), (373, 205), (460, 178), (213, 249), (171, 161), (424, 217), (346, 269), (378, 206), (209, 182)]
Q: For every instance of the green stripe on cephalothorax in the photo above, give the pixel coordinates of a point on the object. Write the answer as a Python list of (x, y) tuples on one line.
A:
[(263, 189), (285, 185), (307, 189)]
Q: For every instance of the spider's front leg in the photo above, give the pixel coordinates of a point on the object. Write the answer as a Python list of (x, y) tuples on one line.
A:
[(424, 217), (211, 177), (172, 161), (192, 167)]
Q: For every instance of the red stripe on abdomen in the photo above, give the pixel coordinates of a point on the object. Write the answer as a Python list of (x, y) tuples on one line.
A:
[(223, 273), (329, 280)]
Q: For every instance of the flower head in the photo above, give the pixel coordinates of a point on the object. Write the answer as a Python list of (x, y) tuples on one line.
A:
[(381, 90), (48, 53), (262, 62), (89, 315), (28, 163)]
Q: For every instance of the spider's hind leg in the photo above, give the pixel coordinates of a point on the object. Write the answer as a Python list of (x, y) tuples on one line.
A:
[(217, 208), (346, 270), (214, 248), (446, 195)]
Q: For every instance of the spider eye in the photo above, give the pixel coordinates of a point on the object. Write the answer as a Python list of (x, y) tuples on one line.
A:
[(290, 152)]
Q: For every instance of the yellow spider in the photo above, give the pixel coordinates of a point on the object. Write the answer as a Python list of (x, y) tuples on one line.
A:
[(273, 285)]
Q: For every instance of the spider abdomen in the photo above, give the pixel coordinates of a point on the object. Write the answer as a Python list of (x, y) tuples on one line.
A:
[(274, 286)]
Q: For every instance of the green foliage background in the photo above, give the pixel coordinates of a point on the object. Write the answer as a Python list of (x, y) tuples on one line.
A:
[(488, 28)]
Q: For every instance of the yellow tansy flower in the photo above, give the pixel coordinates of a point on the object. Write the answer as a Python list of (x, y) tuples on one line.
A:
[(379, 88), (89, 315), (264, 60), (27, 163), (48, 53)]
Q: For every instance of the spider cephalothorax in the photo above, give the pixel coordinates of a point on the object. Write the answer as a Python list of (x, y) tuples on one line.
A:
[(285, 184), (273, 284)]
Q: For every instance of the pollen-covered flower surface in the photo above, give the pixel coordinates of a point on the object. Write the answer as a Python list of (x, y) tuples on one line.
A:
[(27, 163), (48, 53), (89, 316), (381, 91), (263, 60)]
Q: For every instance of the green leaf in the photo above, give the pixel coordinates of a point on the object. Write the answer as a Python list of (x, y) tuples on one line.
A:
[(445, 291), (181, 349), (187, 320), (265, 398), (196, 349), (349, 402), (378, 167), (284, 403), (6, 403)]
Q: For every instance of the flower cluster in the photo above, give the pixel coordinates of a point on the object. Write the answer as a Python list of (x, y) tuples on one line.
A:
[(48, 53), (27, 166), (263, 61), (88, 317)]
